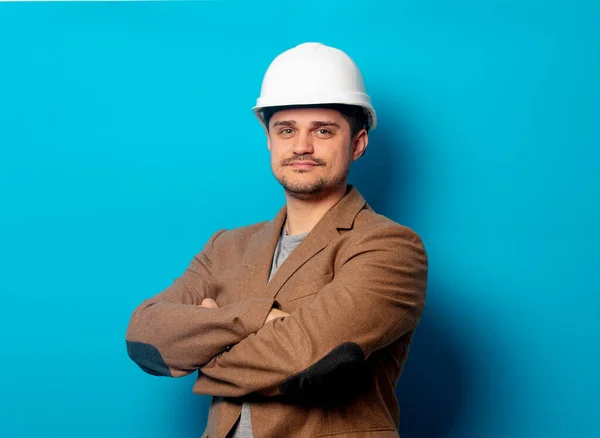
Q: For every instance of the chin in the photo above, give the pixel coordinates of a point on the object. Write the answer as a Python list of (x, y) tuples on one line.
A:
[(303, 187)]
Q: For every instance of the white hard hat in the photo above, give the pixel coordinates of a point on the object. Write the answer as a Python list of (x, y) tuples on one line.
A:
[(313, 74)]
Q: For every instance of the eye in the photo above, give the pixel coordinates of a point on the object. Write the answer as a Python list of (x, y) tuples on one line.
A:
[(324, 133), (286, 132)]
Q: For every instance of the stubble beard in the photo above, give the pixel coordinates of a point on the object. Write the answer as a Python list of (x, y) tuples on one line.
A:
[(310, 190)]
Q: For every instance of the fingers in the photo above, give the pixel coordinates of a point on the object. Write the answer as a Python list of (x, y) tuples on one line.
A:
[(209, 303), (276, 313)]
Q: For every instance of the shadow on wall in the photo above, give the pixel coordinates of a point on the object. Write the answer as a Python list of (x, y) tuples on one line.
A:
[(190, 410), (432, 389), (385, 174)]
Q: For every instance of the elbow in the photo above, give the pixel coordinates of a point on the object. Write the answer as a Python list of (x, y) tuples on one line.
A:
[(148, 358), (338, 377), (142, 350), (150, 352)]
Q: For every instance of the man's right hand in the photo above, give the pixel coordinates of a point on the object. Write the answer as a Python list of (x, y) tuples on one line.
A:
[(276, 313), (209, 303)]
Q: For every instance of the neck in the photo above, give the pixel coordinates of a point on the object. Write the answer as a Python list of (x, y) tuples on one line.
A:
[(304, 214)]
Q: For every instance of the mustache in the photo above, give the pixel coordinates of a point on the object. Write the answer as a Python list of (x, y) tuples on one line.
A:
[(292, 160)]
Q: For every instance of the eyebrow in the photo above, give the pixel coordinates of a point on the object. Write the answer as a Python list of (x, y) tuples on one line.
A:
[(317, 124), (326, 123), (284, 123)]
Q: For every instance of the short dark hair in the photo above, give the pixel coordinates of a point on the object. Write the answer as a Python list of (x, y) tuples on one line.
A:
[(356, 116)]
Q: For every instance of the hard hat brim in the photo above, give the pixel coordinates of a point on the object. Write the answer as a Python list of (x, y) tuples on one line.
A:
[(372, 118)]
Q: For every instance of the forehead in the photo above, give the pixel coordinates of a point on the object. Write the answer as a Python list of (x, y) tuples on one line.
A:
[(307, 115)]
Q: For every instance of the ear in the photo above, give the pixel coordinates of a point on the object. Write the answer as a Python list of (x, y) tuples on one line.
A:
[(359, 145)]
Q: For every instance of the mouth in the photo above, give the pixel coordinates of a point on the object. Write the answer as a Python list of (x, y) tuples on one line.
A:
[(303, 164)]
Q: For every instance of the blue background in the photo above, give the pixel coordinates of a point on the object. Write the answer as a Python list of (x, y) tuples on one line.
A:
[(126, 140)]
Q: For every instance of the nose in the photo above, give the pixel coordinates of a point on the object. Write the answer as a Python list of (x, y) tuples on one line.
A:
[(303, 144)]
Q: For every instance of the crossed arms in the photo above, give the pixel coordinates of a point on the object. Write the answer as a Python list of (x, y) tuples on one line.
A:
[(376, 297)]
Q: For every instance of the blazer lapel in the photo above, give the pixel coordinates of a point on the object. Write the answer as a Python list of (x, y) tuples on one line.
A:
[(312, 244), (261, 247), (340, 216)]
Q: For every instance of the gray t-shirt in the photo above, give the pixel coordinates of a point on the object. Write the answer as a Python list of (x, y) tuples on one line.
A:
[(286, 244)]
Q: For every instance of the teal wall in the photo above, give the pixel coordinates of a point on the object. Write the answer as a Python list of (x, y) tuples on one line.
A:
[(126, 140)]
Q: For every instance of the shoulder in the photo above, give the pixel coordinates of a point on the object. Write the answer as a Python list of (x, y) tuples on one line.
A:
[(233, 238), (383, 246), (240, 233), (370, 226)]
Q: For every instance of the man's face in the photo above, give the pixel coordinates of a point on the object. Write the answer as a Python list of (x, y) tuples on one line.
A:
[(311, 150)]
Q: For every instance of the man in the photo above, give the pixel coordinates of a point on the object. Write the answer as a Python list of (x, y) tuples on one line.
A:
[(299, 326)]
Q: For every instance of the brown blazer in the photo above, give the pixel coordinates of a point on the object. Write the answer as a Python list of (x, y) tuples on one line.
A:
[(355, 290)]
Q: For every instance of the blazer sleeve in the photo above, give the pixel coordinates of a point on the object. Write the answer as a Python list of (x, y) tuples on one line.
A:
[(376, 297), (171, 335)]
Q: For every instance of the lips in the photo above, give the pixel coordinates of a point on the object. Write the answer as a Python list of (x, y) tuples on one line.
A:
[(303, 163)]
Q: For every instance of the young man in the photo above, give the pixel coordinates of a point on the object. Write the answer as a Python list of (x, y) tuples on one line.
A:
[(299, 326)]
